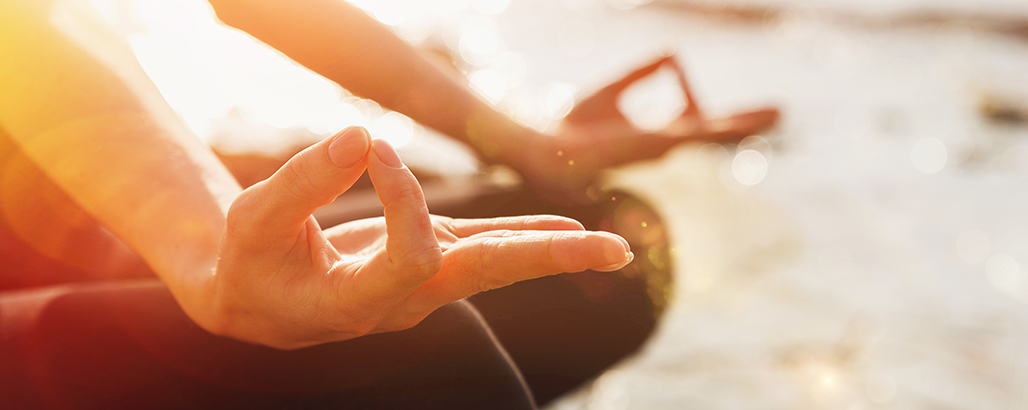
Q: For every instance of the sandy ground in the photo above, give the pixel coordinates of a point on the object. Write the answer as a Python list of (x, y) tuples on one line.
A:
[(864, 255), (877, 262)]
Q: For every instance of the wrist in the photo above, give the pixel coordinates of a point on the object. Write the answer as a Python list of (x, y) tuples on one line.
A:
[(192, 280)]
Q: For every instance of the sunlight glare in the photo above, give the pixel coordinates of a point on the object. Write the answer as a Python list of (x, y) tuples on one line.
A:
[(576, 38), (479, 40), (653, 102), (490, 7), (489, 84), (331, 118), (396, 128), (414, 30), (558, 99), (442, 8), (511, 65)]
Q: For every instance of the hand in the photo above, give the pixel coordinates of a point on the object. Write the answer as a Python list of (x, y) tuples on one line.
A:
[(596, 135), (283, 282)]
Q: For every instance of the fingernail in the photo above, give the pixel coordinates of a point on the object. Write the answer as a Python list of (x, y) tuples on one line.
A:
[(616, 253), (348, 147), (628, 258), (386, 154)]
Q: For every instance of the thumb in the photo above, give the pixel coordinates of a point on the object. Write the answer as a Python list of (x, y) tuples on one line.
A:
[(309, 180)]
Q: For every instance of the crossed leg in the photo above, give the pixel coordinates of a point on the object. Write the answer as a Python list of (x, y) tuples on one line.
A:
[(129, 345)]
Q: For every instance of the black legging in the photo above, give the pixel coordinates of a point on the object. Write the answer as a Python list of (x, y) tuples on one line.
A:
[(130, 346)]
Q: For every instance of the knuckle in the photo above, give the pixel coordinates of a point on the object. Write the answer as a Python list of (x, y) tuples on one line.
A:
[(442, 223), (491, 257), (490, 250), (442, 220), (425, 262), (410, 192), (554, 253)]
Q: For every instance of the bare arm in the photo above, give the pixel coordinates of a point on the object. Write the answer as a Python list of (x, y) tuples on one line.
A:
[(77, 104), (344, 44), (252, 264)]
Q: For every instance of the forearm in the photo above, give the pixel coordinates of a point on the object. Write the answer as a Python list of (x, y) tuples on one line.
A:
[(344, 44), (77, 104)]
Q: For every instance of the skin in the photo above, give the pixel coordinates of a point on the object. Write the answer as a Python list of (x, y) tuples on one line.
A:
[(249, 264), (344, 44)]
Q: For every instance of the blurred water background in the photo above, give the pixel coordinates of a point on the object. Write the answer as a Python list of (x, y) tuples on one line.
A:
[(865, 254)]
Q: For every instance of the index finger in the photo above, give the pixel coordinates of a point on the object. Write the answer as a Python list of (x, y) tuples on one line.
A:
[(412, 254)]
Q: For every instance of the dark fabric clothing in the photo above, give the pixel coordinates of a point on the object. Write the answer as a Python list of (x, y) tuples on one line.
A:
[(129, 346), (126, 344)]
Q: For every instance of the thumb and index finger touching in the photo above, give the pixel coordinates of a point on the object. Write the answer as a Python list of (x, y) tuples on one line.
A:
[(281, 205), (317, 175)]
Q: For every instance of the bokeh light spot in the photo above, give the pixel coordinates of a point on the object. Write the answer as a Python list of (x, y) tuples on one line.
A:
[(973, 246), (756, 143), (929, 155), (1004, 273), (749, 167)]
